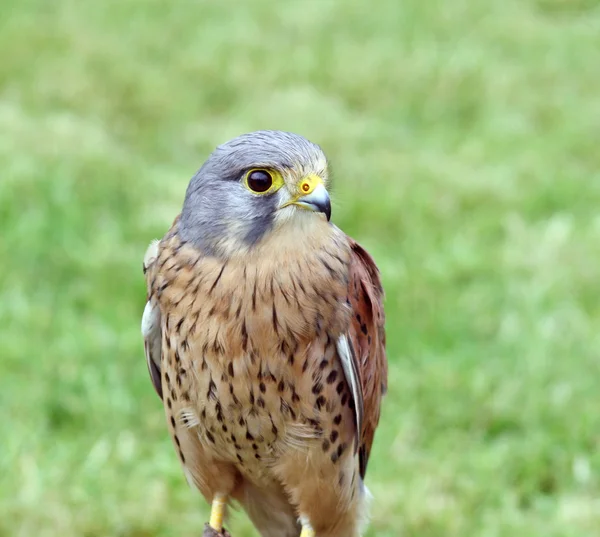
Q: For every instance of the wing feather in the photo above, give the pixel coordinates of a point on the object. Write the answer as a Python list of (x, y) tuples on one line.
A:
[(151, 324), (366, 339)]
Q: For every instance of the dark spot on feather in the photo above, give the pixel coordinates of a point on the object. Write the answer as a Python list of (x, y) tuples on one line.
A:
[(301, 285), (172, 421), (254, 447), (178, 326), (333, 436), (305, 365), (344, 399), (323, 364), (257, 456), (169, 403), (260, 402), (241, 421), (327, 266), (286, 408), (244, 336), (325, 445), (275, 319), (338, 419), (317, 388), (181, 457), (274, 429), (217, 279), (319, 323), (262, 387), (212, 390), (163, 287), (281, 386), (233, 438), (334, 457), (249, 436), (341, 449), (363, 328), (177, 440), (210, 437), (230, 369), (332, 377), (320, 402), (295, 397), (224, 427), (239, 458), (340, 387)]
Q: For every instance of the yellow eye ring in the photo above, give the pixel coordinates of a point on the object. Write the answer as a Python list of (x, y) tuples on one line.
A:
[(262, 181)]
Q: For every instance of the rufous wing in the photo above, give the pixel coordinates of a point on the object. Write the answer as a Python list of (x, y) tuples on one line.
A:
[(367, 338)]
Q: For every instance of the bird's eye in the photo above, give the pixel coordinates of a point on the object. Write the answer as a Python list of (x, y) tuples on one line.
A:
[(259, 181)]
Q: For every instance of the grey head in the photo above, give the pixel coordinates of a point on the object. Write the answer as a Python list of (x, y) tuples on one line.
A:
[(227, 208)]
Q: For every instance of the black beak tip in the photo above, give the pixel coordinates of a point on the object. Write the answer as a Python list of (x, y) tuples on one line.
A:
[(327, 210)]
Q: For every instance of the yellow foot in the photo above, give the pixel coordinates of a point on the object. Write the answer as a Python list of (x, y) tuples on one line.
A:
[(217, 512), (307, 530)]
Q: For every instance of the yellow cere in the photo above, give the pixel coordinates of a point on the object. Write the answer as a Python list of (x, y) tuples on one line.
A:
[(308, 184)]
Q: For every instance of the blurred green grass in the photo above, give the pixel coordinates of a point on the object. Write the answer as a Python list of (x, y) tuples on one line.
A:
[(464, 142)]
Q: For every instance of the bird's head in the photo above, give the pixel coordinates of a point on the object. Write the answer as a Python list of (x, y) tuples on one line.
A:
[(253, 186)]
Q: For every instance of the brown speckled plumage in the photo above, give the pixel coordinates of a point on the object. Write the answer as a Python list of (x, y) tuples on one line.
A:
[(256, 398)]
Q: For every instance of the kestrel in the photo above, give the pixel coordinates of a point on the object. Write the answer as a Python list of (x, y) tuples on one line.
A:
[(264, 337)]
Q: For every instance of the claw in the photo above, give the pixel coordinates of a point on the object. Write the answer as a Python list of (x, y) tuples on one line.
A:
[(210, 532)]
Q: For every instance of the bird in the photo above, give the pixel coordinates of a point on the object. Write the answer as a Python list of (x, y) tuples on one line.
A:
[(264, 335)]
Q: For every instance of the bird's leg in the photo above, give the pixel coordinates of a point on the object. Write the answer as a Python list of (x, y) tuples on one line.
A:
[(307, 529), (217, 511)]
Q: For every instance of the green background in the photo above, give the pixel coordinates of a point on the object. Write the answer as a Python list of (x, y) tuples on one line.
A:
[(464, 137)]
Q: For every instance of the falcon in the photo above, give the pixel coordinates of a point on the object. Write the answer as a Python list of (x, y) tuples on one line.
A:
[(264, 338)]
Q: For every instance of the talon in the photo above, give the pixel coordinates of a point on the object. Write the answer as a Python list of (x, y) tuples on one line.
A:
[(210, 532), (217, 512)]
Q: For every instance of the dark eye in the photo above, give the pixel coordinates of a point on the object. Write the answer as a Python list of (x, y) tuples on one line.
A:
[(259, 181)]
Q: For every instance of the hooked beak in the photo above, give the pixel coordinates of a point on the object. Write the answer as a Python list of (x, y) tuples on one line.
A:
[(313, 196), (317, 201)]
